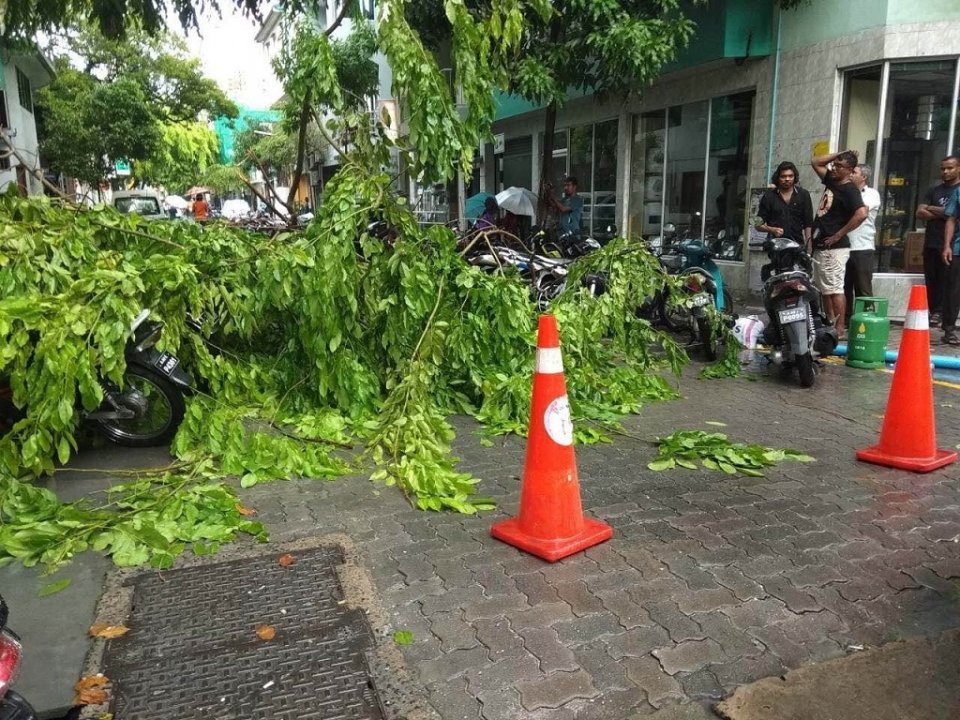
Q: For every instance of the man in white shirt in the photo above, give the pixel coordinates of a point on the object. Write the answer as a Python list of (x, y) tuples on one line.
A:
[(858, 280)]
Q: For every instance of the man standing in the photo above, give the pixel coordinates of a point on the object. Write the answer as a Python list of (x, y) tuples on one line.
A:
[(859, 275), (200, 208), (785, 209), (569, 207), (931, 212), (841, 210), (951, 260)]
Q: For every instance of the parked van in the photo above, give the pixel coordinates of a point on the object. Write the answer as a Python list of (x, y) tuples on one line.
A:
[(141, 202)]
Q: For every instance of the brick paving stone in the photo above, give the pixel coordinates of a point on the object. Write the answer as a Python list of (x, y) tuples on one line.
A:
[(502, 704), (701, 601), (816, 540), (452, 572), (452, 700), (691, 573), (617, 581), (544, 644), (578, 597), (399, 594), (536, 588), (861, 589), (947, 569), (612, 705), (679, 626), (701, 685), (495, 607), (746, 670), (499, 638), (452, 600), (587, 629), (540, 615), (928, 578), (646, 673), (757, 613), (636, 642), (776, 641), (503, 674), (733, 640), (739, 584), (797, 601), (451, 664), (688, 656), (815, 576), (453, 632), (629, 614), (495, 581), (709, 558), (607, 673), (646, 562), (763, 567), (556, 690)]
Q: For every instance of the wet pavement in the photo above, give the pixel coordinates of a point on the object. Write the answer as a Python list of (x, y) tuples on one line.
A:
[(710, 581)]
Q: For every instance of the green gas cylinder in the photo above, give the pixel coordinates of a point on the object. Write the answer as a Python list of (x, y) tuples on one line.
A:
[(868, 333)]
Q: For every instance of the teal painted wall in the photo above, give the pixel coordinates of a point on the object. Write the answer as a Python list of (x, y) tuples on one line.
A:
[(902, 12), (823, 20)]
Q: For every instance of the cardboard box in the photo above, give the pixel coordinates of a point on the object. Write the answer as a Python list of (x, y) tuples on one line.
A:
[(913, 252)]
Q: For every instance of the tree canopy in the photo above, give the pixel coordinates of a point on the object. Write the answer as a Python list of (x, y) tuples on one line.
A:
[(136, 99)]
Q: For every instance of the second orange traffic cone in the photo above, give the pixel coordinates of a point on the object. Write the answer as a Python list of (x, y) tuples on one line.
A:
[(908, 438), (551, 524)]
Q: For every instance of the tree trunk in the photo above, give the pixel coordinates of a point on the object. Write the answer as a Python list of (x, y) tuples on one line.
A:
[(546, 161), (301, 151)]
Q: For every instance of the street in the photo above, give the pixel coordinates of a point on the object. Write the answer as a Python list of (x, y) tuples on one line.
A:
[(710, 581)]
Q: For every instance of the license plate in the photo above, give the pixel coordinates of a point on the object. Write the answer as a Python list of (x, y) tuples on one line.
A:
[(166, 363), (701, 300), (793, 315)]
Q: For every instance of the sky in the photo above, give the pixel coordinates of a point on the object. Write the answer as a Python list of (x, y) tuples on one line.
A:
[(230, 56)]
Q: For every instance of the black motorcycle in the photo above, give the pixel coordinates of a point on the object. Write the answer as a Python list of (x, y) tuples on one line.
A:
[(12, 705), (147, 409), (797, 332)]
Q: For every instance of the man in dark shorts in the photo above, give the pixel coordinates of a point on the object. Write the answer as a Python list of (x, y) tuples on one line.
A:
[(931, 212), (785, 209), (841, 210)]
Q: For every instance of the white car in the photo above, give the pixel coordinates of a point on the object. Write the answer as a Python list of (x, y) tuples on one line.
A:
[(145, 203)]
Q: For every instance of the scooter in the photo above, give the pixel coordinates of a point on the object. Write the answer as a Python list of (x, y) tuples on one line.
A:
[(12, 705), (703, 285), (147, 410), (798, 332)]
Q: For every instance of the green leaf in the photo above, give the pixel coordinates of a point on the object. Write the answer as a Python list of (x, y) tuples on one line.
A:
[(54, 588), (661, 465), (403, 637)]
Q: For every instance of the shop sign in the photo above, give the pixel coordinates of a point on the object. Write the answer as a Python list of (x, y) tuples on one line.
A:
[(499, 143)]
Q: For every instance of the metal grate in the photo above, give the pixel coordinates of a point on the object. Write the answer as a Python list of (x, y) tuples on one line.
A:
[(192, 651)]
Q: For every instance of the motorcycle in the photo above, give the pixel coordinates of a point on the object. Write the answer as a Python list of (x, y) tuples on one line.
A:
[(149, 407), (798, 332), (12, 705), (703, 286)]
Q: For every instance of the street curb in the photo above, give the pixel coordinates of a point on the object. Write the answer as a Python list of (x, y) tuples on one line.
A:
[(400, 695)]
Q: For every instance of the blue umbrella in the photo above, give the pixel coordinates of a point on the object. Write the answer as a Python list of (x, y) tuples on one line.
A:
[(473, 207)]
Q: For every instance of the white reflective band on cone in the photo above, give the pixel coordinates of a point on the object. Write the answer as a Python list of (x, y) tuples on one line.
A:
[(917, 320), (549, 361)]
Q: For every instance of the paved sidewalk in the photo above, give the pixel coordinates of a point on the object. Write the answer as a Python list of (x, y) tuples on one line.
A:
[(710, 581)]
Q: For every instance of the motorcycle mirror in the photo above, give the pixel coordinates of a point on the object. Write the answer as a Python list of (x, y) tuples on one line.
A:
[(721, 235), (669, 228)]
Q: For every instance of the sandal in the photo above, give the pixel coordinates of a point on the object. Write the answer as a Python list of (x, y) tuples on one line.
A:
[(951, 338)]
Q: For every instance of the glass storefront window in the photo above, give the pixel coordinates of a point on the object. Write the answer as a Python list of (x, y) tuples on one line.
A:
[(727, 169), (689, 168), (647, 157), (917, 109), (589, 153), (687, 128)]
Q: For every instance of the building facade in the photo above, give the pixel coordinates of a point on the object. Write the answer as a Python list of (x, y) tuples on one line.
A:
[(21, 73), (757, 86)]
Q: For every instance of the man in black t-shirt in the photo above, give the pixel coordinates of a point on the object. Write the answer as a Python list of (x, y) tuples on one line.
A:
[(841, 210), (931, 212), (785, 209)]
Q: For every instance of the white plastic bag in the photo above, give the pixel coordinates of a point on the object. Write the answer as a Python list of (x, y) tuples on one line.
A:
[(747, 331)]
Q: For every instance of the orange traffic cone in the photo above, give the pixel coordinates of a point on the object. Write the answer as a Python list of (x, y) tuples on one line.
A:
[(551, 524), (908, 439)]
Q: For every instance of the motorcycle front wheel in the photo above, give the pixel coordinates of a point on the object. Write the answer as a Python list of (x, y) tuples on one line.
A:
[(158, 408), (708, 339)]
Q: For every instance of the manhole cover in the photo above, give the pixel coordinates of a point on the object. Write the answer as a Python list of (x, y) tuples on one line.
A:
[(193, 651)]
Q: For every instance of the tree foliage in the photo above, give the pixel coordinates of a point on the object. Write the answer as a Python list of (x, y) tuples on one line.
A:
[(181, 157), (124, 99)]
